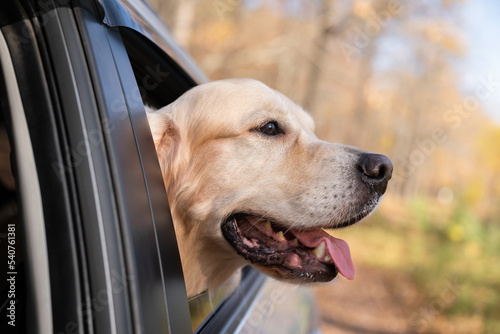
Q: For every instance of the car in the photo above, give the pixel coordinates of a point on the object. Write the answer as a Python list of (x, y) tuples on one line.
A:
[(86, 236)]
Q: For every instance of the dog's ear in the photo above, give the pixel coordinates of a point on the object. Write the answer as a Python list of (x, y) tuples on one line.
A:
[(165, 135)]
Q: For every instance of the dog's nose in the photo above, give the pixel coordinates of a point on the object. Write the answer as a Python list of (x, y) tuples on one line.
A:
[(376, 170)]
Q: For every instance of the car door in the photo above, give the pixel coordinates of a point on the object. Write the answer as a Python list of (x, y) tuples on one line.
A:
[(92, 201)]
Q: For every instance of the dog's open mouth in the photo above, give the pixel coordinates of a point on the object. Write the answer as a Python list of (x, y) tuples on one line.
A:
[(308, 255)]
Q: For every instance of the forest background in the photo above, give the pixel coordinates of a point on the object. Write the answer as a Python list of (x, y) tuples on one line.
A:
[(418, 81)]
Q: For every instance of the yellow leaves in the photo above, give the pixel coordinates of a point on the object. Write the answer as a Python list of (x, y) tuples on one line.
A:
[(444, 36), (456, 233), (472, 250), (474, 190), (488, 148), (387, 142), (216, 34), (435, 33), (451, 44), (374, 97), (362, 8)]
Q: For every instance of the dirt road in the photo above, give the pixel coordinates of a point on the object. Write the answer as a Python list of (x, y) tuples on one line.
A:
[(376, 302)]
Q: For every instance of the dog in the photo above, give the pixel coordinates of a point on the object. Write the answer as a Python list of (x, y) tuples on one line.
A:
[(248, 182)]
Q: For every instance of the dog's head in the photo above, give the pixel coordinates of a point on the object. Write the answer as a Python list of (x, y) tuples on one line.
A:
[(249, 182)]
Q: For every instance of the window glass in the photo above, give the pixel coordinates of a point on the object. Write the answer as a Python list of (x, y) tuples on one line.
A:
[(272, 309), (202, 305)]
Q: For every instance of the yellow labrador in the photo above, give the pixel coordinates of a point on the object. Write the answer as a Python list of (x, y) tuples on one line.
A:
[(249, 182)]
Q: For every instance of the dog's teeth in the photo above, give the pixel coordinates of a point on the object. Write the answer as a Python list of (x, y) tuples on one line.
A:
[(280, 235), (328, 259), (295, 241), (319, 251), (267, 224)]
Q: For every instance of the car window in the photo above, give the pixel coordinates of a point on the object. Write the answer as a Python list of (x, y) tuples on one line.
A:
[(160, 80)]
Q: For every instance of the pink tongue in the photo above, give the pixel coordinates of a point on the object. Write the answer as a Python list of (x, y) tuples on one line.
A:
[(338, 249)]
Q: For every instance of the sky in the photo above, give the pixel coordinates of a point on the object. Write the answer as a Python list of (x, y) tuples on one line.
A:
[(481, 27), (478, 68)]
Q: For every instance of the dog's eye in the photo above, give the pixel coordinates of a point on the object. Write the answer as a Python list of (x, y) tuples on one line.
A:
[(270, 129)]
